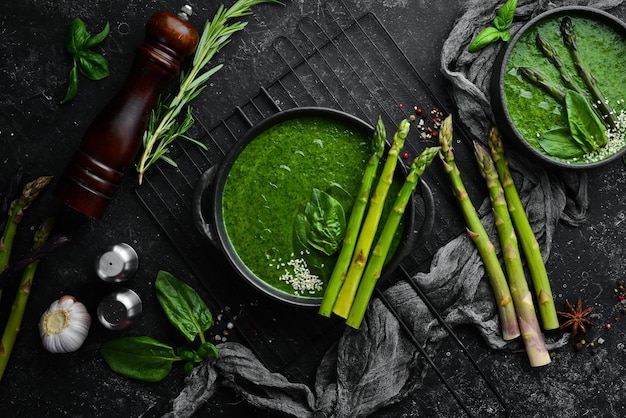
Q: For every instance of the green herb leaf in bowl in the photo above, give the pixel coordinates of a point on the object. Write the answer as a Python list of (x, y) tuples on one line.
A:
[(560, 143), (326, 222), (586, 128)]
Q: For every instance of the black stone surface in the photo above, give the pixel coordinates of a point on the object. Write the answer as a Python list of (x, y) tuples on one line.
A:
[(40, 135)]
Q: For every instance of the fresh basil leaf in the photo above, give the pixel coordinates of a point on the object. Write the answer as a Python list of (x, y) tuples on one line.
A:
[(499, 23), (586, 127), (319, 263), (559, 143), (301, 231), (344, 198), (72, 88), (99, 37), (487, 36), (141, 358), (327, 222), (504, 17), (184, 308), (92, 65), (505, 35), (76, 37)]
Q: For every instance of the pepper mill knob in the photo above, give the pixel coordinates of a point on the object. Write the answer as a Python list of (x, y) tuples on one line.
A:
[(112, 141)]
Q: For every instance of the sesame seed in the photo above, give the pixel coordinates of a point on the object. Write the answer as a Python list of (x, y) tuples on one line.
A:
[(300, 277)]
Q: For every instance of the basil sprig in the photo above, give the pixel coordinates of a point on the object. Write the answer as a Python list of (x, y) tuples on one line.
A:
[(144, 358), (90, 64), (499, 30)]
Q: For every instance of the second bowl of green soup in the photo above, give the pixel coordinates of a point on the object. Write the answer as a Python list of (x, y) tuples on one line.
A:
[(559, 89)]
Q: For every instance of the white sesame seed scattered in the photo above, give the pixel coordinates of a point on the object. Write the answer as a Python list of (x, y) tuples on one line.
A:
[(301, 278), (616, 140)]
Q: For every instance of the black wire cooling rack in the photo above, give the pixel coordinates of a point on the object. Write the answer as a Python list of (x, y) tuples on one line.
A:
[(347, 63)]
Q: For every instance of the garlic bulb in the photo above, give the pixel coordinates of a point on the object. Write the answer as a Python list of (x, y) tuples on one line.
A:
[(64, 326)]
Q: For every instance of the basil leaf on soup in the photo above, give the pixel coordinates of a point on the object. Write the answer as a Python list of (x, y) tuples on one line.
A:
[(318, 262), (585, 126), (344, 198), (301, 232), (327, 222), (560, 143)]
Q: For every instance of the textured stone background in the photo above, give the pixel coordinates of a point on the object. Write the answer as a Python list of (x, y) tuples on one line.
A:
[(38, 134)]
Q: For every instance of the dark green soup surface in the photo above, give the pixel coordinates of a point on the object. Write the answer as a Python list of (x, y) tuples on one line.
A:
[(272, 179), (603, 49)]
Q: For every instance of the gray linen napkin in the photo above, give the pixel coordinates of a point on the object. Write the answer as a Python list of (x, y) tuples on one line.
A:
[(377, 365)]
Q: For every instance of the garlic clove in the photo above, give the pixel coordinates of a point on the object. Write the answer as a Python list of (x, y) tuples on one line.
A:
[(64, 326)]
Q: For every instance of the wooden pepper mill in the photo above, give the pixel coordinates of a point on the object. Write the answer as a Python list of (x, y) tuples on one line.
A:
[(112, 141)]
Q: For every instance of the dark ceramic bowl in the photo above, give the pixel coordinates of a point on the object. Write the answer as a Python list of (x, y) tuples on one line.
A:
[(209, 216), (509, 108)]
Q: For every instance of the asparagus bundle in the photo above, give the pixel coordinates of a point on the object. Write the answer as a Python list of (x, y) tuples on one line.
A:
[(14, 322), (569, 39), (522, 299), (354, 223), (381, 249), (370, 225), (530, 247), (478, 234)]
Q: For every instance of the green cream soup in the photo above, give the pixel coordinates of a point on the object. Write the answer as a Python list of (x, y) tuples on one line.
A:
[(603, 49), (272, 180)]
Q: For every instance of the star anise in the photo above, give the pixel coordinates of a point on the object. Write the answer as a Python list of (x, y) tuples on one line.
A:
[(575, 317)]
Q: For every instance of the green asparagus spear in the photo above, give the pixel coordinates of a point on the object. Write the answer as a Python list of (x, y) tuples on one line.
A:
[(569, 39), (522, 299), (553, 56), (381, 249), (530, 247), (15, 214), (354, 223), (19, 304), (478, 234), (370, 225), (541, 80), (9, 195)]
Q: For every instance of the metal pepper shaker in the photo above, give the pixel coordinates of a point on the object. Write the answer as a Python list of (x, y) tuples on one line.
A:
[(112, 141)]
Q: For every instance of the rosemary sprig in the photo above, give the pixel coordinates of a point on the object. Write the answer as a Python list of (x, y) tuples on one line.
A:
[(163, 127)]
